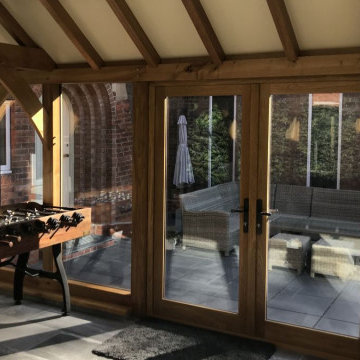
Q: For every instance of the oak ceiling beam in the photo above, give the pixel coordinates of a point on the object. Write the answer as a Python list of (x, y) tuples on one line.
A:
[(284, 28), (240, 70), (64, 20), (14, 28), (25, 57), (22, 91), (205, 30), (135, 31)]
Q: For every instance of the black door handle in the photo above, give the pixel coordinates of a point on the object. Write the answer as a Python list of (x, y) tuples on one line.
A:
[(244, 210)]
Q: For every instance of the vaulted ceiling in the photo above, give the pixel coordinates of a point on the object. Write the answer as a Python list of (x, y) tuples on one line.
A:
[(105, 32), (58, 41)]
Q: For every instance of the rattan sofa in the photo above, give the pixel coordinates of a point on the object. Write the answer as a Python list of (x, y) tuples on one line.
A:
[(207, 220), (312, 210)]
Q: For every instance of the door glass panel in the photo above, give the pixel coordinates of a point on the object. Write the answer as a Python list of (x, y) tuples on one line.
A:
[(97, 172), (202, 186), (314, 238)]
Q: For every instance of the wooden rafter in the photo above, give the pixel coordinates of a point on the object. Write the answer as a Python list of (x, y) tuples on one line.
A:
[(14, 28), (61, 16), (205, 30), (284, 28), (135, 31), (21, 90), (25, 57)]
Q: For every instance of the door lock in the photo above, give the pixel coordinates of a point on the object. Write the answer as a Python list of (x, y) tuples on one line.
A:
[(244, 210)]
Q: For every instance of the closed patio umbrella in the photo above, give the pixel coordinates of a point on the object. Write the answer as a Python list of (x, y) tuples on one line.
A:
[(183, 173)]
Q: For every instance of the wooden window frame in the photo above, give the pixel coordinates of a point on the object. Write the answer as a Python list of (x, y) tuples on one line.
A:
[(6, 169)]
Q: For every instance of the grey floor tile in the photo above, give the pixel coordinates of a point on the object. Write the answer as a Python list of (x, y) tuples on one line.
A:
[(16, 355), (321, 287), (351, 292), (222, 304), (25, 337), (339, 327), (62, 347), (305, 304), (26, 312), (279, 280), (291, 317), (344, 310)]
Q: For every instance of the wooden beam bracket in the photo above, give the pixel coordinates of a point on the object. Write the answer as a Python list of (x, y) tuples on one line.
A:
[(22, 91)]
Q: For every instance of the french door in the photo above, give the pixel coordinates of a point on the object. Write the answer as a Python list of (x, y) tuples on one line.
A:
[(248, 183), (308, 249), (203, 265)]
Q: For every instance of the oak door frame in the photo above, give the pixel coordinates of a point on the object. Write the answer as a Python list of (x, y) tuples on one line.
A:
[(242, 322), (334, 346)]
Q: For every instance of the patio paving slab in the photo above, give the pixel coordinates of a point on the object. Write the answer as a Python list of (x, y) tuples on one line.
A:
[(291, 317), (343, 310), (340, 327), (311, 305)]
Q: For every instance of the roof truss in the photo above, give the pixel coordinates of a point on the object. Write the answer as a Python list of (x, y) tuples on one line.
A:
[(205, 30), (14, 28), (135, 31), (61, 16), (284, 28)]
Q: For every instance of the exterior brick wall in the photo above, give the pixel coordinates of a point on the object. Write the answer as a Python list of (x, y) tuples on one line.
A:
[(102, 153), (17, 186)]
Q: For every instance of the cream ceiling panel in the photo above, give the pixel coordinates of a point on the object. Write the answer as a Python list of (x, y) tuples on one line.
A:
[(5, 37), (321, 24), (244, 26), (40, 26), (169, 27), (102, 28)]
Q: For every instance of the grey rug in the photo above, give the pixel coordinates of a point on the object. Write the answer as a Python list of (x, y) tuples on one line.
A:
[(160, 340)]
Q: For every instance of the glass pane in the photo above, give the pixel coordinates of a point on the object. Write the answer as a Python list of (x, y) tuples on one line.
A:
[(97, 172), (314, 240), (19, 185), (3, 141), (203, 171)]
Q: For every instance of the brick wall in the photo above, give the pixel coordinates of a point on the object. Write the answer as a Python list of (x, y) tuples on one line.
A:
[(17, 186), (103, 152)]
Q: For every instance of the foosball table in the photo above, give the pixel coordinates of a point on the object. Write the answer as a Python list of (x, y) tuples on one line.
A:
[(31, 226)]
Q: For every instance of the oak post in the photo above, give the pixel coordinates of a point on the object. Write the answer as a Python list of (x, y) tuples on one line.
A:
[(140, 198), (51, 155)]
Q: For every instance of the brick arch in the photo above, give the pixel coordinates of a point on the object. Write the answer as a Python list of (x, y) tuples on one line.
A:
[(95, 138), (107, 123), (82, 142)]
